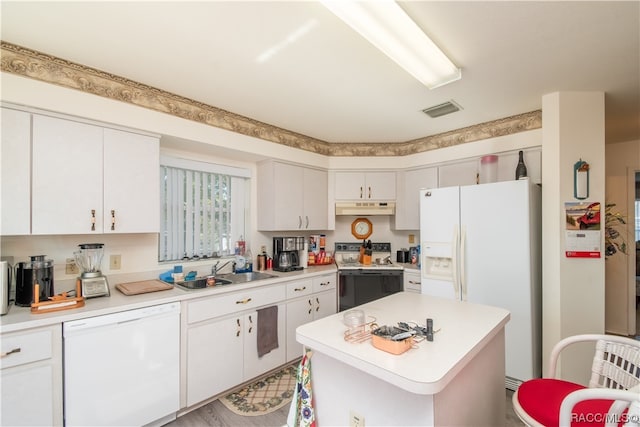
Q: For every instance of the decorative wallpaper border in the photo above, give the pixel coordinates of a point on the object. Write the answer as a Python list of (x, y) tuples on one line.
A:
[(39, 66)]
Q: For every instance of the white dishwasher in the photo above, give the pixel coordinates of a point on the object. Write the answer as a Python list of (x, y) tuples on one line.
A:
[(122, 369)]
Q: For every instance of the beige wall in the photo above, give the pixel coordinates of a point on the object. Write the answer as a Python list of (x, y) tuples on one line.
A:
[(622, 161), (572, 288)]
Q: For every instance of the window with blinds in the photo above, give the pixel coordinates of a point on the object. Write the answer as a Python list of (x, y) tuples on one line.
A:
[(201, 213)]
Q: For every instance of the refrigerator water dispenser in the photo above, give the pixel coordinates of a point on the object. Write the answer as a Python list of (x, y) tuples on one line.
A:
[(438, 261)]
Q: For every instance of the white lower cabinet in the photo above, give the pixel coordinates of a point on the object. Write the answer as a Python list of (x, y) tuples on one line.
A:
[(253, 364), (221, 345), (222, 348), (31, 377), (411, 278), (214, 358), (320, 302)]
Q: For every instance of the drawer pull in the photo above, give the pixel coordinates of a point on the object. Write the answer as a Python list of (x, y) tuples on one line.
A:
[(324, 284), (243, 301), (414, 282), (300, 289), (15, 350)]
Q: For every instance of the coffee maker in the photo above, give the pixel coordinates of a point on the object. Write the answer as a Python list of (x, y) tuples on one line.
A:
[(37, 271), (285, 253)]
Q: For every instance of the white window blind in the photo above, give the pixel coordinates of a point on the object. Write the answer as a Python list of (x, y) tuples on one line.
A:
[(200, 213)]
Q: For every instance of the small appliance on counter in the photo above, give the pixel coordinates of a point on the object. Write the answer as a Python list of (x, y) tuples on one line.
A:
[(38, 271), (5, 286), (93, 282), (285, 253)]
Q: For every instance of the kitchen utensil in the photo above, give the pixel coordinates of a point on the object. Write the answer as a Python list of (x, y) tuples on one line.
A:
[(37, 271)]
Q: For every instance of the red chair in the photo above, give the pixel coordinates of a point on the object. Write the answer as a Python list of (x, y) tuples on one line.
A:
[(616, 366)]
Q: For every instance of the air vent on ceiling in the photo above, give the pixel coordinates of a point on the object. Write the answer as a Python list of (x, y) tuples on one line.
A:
[(442, 109)]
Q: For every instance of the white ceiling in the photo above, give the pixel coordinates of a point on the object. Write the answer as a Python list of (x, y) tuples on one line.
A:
[(323, 80)]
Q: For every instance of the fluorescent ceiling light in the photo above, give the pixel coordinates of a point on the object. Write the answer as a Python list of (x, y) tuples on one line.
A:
[(385, 25)]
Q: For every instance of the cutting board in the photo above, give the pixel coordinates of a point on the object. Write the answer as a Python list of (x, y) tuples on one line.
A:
[(143, 287)]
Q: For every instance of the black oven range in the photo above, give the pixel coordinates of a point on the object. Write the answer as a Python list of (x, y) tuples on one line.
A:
[(362, 283)]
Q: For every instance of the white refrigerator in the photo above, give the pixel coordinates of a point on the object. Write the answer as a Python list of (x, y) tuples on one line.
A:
[(482, 244)]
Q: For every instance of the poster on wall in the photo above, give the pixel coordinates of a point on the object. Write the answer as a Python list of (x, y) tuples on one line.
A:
[(582, 230)]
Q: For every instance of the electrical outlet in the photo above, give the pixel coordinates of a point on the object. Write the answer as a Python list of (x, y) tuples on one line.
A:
[(412, 238), (71, 267), (115, 262), (355, 420)]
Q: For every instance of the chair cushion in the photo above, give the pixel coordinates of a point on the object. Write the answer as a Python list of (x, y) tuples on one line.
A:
[(541, 399)]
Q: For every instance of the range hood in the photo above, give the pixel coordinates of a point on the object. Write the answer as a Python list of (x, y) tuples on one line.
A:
[(365, 208)]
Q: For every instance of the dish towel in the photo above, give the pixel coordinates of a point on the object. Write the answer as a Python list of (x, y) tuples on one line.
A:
[(301, 412), (267, 330)]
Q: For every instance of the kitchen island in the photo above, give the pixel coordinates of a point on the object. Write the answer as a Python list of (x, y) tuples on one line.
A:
[(456, 379)]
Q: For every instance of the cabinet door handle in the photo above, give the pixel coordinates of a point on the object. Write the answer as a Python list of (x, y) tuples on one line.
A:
[(239, 329), (300, 289), (15, 350), (250, 324), (243, 301), (317, 304), (310, 306), (299, 221), (361, 192), (307, 218), (93, 220), (369, 191), (113, 219)]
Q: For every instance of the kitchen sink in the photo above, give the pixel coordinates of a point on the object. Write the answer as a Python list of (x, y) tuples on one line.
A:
[(245, 277), (201, 283), (224, 279)]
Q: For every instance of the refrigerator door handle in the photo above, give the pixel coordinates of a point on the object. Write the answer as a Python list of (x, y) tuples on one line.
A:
[(454, 261), (463, 278)]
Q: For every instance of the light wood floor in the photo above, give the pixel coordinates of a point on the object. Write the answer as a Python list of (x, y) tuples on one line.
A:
[(216, 414)]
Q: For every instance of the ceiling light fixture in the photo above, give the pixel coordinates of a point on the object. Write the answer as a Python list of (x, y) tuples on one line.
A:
[(385, 25)]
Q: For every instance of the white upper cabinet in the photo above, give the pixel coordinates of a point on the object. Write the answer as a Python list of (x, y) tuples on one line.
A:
[(15, 172), (67, 177), (460, 173), (408, 204), (365, 186), (131, 182), (88, 179), (291, 197)]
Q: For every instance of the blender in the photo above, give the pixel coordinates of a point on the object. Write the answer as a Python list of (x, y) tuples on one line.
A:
[(93, 282)]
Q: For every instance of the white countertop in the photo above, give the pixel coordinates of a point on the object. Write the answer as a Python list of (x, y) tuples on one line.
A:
[(20, 318), (464, 329)]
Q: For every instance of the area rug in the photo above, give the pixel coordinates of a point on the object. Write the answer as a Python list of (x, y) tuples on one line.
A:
[(265, 395)]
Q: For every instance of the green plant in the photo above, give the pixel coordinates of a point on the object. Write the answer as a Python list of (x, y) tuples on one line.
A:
[(613, 240)]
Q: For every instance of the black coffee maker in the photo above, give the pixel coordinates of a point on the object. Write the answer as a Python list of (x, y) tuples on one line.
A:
[(285, 254), (37, 271)]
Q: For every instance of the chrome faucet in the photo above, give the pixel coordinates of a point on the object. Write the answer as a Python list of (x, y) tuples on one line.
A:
[(215, 268)]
